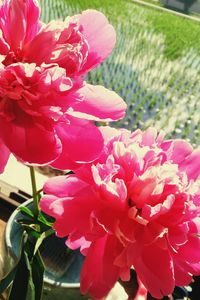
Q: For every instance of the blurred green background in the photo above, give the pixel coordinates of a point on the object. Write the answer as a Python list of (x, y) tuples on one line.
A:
[(155, 65)]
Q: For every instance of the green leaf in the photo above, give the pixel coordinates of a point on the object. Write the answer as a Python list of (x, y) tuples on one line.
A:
[(46, 220), (25, 221), (31, 229), (22, 278), (41, 219), (5, 282), (32, 233), (26, 211), (41, 238), (28, 280), (37, 275)]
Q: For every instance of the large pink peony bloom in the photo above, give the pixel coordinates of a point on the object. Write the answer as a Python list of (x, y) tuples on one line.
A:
[(137, 206), (46, 109), (77, 44)]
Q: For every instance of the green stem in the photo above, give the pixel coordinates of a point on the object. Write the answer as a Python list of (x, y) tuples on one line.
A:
[(34, 190)]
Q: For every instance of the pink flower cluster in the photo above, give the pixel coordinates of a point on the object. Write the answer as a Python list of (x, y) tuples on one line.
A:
[(137, 206), (136, 201), (46, 109)]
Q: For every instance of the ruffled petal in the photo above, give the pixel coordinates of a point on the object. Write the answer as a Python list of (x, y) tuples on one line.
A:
[(46, 203), (149, 136), (99, 274), (5, 153), (155, 269), (4, 47), (19, 21), (153, 212), (180, 150), (33, 52), (72, 214), (100, 36), (182, 277), (109, 132), (190, 251), (81, 243), (64, 186), (97, 103), (64, 45), (33, 24), (191, 165)]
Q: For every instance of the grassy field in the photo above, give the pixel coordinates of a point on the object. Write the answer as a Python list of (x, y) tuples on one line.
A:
[(155, 66)]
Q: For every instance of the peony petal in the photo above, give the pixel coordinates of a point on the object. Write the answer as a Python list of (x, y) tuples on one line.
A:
[(19, 21), (178, 235), (45, 204), (142, 291), (180, 150), (154, 212), (114, 194), (64, 186), (81, 141), (4, 47), (149, 137), (182, 277), (155, 269), (184, 270), (33, 52), (109, 132), (64, 162), (190, 251), (33, 24), (5, 153), (81, 243), (100, 36), (98, 104), (72, 214), (99, 274), (193, 269), (31, 142), (191, 165)]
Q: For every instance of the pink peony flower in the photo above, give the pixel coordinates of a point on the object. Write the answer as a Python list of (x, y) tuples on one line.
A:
[(77, 44), (46, 109), (137, 206)]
